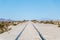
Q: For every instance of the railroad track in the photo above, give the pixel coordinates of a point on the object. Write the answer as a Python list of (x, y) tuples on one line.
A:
[(20, 33), (40, 34)]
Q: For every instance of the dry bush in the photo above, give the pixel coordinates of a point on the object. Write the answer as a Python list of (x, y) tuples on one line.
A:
[(51, 22), (46, 22), (14, 24), (34, 21), (4, 26), (58, 25), (41, 21)]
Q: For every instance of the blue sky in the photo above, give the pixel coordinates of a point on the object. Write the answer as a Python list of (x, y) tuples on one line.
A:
[(29, 9)]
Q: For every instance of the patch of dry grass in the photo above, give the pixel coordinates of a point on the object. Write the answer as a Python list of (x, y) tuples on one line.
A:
[(55, 22), (4, 26)]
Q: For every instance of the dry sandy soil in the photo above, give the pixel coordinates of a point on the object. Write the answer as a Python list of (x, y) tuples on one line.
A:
[(49, 31)]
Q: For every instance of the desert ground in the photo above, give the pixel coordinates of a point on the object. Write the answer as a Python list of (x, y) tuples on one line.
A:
[(32, 31)]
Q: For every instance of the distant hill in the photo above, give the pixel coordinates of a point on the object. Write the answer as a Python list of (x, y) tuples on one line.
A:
[(2, 19), (45, 19)]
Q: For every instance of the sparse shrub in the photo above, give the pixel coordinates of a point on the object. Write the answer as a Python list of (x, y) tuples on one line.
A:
[(4, 27), (41, 21), (1, 25), (58, 25), (46, 22), (1, 30), (14, 24), (35, 21), (51, 22)]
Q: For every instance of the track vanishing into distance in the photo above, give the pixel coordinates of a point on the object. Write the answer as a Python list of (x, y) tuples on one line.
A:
[(30, 31)]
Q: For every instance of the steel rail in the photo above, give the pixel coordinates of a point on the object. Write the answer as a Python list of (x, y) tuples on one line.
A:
[(40, 34), (20, 33)]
